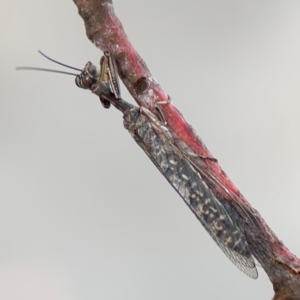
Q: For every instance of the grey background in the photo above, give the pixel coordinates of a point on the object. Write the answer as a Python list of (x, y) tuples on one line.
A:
[(83, 213)]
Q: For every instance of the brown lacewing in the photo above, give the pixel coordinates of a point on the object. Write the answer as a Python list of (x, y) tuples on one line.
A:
[(174, 160)]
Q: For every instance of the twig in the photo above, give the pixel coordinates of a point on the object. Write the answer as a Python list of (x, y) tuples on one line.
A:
[(104, 29)]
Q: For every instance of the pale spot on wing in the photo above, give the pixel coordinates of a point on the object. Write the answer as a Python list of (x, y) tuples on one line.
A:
[(207, 200), (201, 194), (173, 162), (184, 177), (213, 209)]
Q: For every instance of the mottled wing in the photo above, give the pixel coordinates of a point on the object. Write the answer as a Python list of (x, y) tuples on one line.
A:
[(157, 142)]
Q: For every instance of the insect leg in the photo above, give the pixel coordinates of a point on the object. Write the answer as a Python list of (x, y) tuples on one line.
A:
[(159, 111), (108, 75), (107, 87), (207, 157)]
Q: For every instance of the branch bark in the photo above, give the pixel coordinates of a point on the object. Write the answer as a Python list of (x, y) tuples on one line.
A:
[(104, 29)]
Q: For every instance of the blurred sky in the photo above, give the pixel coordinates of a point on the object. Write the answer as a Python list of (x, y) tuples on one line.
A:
[(84, 214)]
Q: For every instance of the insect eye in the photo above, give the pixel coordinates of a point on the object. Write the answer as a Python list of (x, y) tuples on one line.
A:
[(78, 80), (93, 71)]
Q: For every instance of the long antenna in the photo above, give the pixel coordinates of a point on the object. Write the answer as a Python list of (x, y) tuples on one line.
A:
[(50, 70), (57, 62), (45, 70)]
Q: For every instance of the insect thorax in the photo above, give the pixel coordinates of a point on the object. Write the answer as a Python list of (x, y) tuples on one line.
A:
[(144, 125)]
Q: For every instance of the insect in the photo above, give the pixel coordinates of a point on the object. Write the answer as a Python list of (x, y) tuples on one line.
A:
[(175, 163)]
